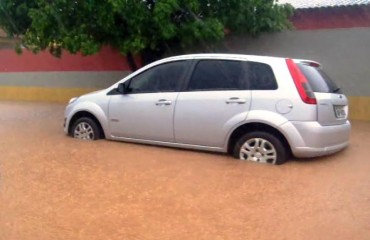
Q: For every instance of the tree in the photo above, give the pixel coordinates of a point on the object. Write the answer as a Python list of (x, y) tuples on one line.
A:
[(146, 27)]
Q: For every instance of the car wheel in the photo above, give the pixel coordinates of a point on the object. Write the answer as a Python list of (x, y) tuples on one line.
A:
[(260, 147), (85, 128)]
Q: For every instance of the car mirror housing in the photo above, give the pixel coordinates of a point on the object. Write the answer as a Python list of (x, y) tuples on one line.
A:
[(122, 88)]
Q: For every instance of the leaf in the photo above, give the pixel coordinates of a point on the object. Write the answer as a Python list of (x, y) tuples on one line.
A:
[(134, 26)]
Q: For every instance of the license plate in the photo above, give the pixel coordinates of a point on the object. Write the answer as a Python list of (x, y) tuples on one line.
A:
[(339, 111)]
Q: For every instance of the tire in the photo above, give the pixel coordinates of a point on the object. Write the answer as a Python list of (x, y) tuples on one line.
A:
[(269, 148), (86, 129)]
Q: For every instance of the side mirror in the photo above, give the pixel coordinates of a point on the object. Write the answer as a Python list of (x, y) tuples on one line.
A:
[(122, 88)]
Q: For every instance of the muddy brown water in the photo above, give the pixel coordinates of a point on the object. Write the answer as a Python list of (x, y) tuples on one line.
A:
[(56, 187)]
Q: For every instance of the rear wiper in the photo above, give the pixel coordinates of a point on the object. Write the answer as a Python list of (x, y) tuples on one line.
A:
[(336, 90)]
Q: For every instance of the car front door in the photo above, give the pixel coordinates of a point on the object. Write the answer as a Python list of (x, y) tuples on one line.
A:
[(216, 99), (146, 110)]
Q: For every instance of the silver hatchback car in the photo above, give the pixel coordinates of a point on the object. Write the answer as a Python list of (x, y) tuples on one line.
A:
[(257, 108)]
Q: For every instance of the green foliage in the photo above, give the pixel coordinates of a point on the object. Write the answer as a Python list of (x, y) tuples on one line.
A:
[(250, 16), (133, 26)]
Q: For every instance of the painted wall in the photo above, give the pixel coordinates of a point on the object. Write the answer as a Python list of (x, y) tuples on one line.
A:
[(46, 78), (338, 38), (332, 17), (343, 53)]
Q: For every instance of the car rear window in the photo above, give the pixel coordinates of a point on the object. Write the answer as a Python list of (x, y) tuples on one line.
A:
[(318, 79)]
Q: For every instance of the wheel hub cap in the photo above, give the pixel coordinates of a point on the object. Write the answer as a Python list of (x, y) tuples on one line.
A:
[(83, 131), (258, 150)]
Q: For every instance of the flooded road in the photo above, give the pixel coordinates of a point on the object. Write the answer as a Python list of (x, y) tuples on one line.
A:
[(56, 187)]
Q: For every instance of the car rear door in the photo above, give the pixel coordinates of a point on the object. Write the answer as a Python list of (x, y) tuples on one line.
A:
[(332, 104), (215, 100)]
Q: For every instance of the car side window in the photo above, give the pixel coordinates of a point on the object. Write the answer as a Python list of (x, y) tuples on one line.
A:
[(260, 76), (215, 75), (163, 78)]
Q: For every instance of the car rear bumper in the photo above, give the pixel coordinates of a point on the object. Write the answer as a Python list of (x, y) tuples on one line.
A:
[(307, 152), (317, 140)]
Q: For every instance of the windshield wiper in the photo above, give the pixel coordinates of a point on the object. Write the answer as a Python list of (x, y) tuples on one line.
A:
[(336, 90)]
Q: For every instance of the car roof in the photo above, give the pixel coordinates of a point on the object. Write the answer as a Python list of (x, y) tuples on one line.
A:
[(216, 56), (225, 56), (230, 57)]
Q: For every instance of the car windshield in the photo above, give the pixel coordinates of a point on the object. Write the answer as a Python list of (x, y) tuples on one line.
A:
[(318, 79)]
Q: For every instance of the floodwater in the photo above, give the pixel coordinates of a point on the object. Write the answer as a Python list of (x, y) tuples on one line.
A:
[(56, 187)]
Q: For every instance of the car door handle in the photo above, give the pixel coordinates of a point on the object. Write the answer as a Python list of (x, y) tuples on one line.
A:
[(162, 102), (236, 100)]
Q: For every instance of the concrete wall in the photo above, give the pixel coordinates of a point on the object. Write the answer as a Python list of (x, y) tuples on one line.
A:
[(69, 79), (54, 86), (43, 77), (343, 53)]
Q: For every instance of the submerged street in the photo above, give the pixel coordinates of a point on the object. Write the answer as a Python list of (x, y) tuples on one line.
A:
[(56, 187)]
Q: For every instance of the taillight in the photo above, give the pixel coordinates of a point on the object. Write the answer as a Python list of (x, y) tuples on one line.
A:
[(300, 81)]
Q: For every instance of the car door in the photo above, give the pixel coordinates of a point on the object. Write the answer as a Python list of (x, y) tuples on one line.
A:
[(146, 110), (216, 99)]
